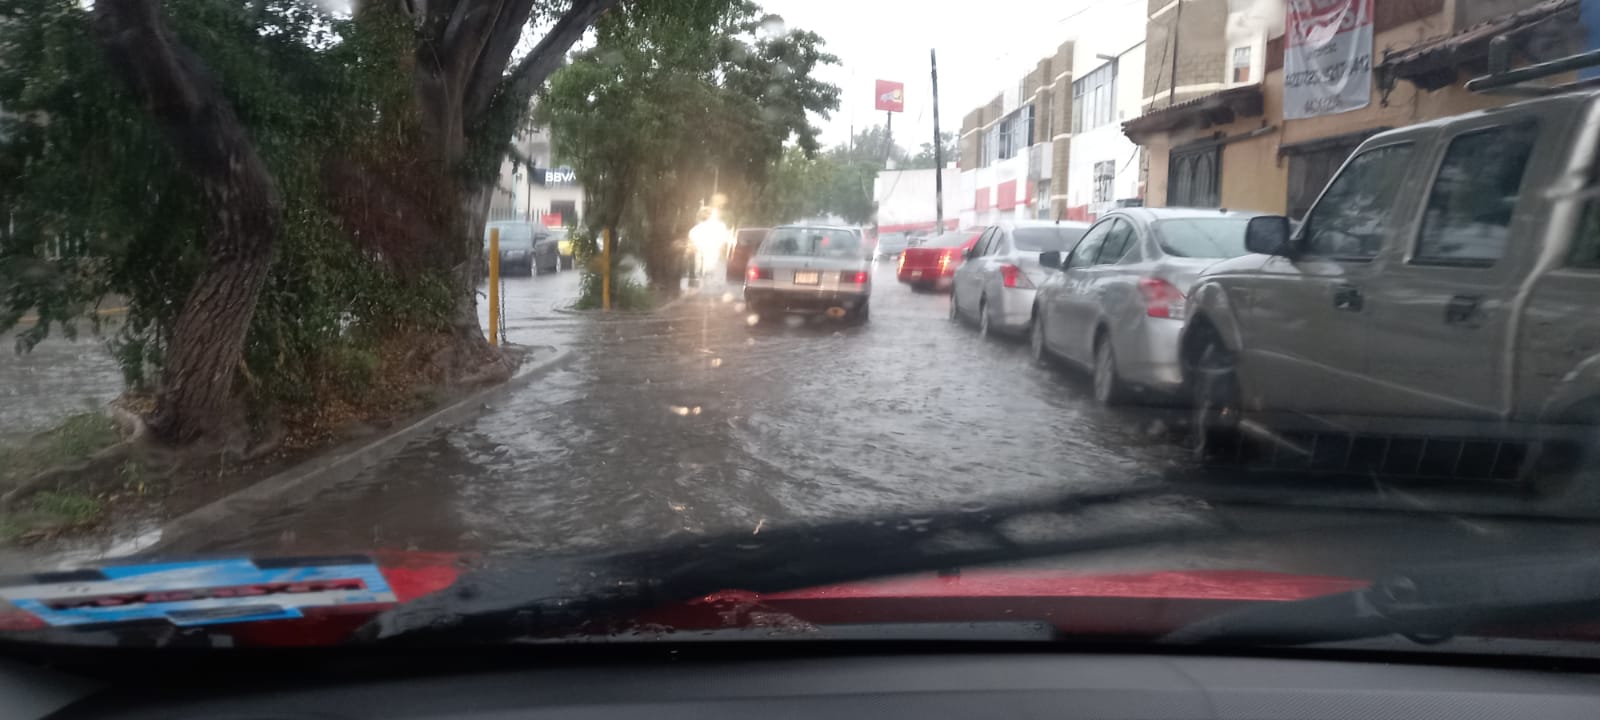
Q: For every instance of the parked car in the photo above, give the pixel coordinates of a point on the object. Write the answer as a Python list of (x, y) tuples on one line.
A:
[(810, 269), (1448, 271), (932, 264), (546, 253), (745, 242), (517, 241), (1117, 306), (891, 245), (995, 287)]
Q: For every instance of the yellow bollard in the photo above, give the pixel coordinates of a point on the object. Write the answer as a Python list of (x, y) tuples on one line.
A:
[(494, 286), (605, 271)]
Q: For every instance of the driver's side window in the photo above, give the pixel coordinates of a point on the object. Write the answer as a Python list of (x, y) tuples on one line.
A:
[(1349, 219), (1089, 247)]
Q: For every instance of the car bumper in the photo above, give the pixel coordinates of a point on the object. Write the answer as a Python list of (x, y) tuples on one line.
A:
[(806, 301), (1013, 310), (1147, 355), (919, 276)]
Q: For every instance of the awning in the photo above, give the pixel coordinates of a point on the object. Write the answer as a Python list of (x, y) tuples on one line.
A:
[(1218, 108), (1433, 64)]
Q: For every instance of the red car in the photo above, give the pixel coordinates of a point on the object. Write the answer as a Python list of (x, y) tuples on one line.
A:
[(931, 265)]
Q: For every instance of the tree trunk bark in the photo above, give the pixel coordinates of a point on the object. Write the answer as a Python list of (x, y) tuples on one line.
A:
[(196, 397)]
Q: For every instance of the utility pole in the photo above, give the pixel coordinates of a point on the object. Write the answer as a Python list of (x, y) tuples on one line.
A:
[(938, 150)]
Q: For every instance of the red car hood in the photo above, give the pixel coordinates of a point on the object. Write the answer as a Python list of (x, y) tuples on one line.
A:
[(1140, 604)]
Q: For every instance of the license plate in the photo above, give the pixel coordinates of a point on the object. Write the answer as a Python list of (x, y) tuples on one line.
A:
[(807, 278), (916, 274)]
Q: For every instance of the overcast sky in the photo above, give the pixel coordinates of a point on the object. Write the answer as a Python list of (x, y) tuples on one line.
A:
[(983, 45)]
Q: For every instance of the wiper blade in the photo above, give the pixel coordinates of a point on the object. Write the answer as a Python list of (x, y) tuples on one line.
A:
[(551, 595), (1426, 604)]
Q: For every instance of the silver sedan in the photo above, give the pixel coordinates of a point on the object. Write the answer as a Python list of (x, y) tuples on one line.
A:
[(1118, 304), (995, 285)]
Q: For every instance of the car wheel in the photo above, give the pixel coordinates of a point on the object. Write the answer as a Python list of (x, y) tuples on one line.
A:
[(1108, 388), (1036, 344), (1215, 396), (983, 318)]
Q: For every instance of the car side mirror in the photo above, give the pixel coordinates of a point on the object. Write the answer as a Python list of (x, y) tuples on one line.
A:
[(1051, 259), (1267, 235), (967, 253)]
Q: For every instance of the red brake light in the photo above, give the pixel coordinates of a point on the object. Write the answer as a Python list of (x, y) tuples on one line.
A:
[(1162, 299), (859, 278), (754, 273), (1012, 277)]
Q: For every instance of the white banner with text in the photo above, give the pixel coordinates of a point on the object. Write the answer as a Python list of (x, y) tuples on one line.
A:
[(1327, 57)]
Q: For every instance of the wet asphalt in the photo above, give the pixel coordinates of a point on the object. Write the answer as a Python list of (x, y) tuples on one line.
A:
[(698, 421)]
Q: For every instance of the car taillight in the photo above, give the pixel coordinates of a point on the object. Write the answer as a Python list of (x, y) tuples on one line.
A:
[(857, 277), (1161, 298), (944, 261), (901, 263), (1012, 277), (758, 273)]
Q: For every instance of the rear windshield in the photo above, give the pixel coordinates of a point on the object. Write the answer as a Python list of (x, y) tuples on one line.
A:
[(819, 242), (948, 240), (512, 235), (1046, 239), (1218, 237)]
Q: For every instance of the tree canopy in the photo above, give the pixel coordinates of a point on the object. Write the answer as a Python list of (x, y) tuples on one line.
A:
[(676, 101)]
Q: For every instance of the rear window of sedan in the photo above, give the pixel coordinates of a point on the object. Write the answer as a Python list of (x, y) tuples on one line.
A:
[(1046, 239), (812, 242), (1212, 237), (949, 239)]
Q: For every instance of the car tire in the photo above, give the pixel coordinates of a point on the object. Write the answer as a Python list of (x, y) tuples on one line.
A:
[(1109, 389), (1037, 347), (862, 313), (983, 318), (1216, 402)]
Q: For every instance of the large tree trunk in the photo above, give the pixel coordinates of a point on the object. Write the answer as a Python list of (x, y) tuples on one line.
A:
[(196, 396)]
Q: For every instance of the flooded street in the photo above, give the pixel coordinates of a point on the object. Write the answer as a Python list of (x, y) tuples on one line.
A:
[(693, 420)]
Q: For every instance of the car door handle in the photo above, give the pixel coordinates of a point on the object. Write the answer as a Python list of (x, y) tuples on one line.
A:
[(1462, 310), (1347, 297)]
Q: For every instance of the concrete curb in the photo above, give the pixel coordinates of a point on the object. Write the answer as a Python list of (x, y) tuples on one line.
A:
[(564, 309), (302, 482)]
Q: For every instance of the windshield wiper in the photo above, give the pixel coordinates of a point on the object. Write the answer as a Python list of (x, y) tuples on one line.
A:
[(1426, 604), (554, 595)]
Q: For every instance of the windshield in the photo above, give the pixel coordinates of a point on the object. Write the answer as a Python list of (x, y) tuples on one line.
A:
[(1202, 237), (1058, 239), (1020, 314), (819, 242)]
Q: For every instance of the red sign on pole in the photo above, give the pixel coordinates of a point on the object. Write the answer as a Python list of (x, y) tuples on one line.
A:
[(891, 96)]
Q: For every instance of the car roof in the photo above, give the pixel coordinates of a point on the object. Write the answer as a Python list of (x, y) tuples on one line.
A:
[(1152, 214), (1072, 224), (803, 226)]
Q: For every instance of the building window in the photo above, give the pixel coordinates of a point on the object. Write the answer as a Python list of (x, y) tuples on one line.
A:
[(1241, 64), (1105, 176), (1007, 138), (1027, 125), (1094, 98)]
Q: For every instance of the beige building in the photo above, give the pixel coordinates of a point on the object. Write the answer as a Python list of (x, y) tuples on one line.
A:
[(1011, 149), (1213, 125)]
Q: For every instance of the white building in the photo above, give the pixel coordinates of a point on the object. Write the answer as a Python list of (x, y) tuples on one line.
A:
[(538, 192), (1108, 79)]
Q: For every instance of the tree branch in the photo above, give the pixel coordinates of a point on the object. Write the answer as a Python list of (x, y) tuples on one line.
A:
[(552, 49)]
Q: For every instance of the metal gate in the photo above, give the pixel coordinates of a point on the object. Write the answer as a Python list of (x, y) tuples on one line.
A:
[(1194, 177)]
